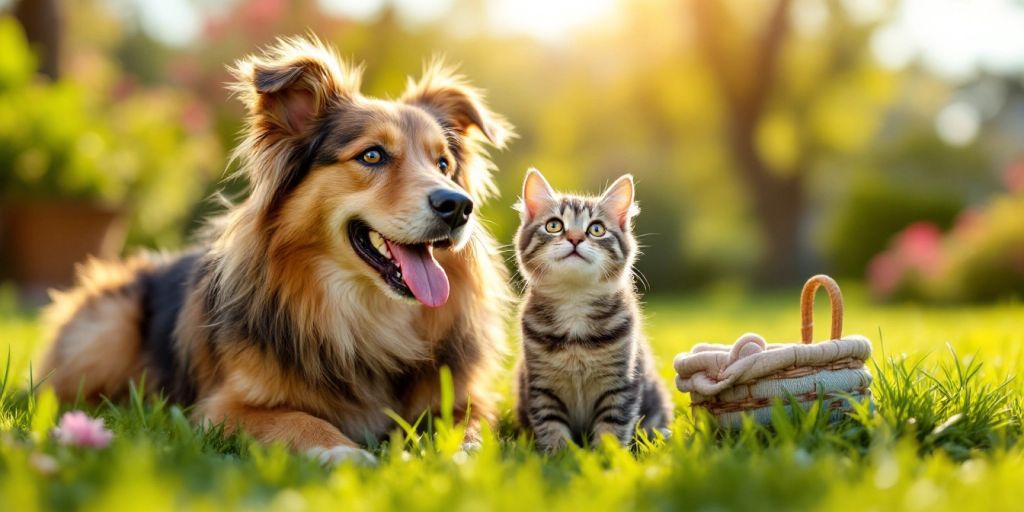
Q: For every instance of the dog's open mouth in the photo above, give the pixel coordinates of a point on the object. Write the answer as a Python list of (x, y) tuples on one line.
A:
[(409, 269)]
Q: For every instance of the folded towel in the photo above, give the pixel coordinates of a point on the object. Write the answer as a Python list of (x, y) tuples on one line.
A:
[(709, 369)]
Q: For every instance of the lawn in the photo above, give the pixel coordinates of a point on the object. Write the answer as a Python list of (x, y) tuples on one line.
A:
[(946, 435)]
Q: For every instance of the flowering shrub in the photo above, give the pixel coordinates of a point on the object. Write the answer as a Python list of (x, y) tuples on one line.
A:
[(984, 258), (913, 259), (981, 258), (146, 151)]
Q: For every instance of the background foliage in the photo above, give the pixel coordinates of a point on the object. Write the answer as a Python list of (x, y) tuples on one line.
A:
[(770, 140), (98, 140)]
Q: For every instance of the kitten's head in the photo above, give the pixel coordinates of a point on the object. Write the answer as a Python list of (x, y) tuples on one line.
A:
[(573, 240)]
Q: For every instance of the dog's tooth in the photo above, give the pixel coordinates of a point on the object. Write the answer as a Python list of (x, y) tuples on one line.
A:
[(378, 243)]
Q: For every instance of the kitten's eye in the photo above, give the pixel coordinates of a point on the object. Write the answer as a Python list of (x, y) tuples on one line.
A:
[(596, 230), (373, 156), (553, 226), (443, 165)]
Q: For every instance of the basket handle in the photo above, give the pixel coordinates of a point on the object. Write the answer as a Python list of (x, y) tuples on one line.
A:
[(835, 297)]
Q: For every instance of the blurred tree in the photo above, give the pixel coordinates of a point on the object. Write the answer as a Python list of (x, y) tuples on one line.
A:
[(42, 22), (791, 101), (777, 194)]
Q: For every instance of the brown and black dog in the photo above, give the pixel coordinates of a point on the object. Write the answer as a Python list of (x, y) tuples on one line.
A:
[(354, 270)]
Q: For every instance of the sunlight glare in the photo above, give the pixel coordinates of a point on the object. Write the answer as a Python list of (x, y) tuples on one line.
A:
[(957, 39), (547, 19)]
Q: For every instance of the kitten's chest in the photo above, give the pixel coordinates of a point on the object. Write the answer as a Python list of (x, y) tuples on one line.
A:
[(581, 376), (573, 319)]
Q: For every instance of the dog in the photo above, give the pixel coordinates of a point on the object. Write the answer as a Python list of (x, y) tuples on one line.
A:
[(355, 269)]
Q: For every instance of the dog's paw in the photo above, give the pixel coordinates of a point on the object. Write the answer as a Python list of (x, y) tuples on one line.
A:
[(471, 446), (341, 454)]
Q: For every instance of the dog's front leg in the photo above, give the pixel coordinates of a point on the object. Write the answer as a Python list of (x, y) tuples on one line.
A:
[(471, 439), (479, 408), (302, 432)]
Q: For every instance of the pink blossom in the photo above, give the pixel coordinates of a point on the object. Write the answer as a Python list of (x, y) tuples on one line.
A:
[(259, 13), (915, 251), (920, 247), (1013, 177), (884, 274), (195, 117), (77, 429)]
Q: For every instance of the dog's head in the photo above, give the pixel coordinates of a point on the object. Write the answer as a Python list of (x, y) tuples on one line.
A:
[(375, 185)]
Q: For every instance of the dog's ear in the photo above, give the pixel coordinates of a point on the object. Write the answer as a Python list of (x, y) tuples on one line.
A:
[(456, 104), (537, 194), (618, 200), (291, 83)]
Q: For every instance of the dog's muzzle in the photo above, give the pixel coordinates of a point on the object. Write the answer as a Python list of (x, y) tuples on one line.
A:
[(451, 207)]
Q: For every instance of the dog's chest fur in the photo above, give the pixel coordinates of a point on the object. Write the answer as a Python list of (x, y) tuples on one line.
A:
[(370, 355)]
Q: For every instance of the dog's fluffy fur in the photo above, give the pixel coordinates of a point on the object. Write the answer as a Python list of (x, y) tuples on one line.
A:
[(275, 323)]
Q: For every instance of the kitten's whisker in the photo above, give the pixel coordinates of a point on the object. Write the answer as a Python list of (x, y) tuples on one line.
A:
[(643, 279)]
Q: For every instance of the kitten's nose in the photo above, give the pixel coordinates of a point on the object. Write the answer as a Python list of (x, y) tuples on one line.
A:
[(574, 238), (450, 206)]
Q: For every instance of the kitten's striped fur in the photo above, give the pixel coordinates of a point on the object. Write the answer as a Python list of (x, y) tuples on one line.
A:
[(586, 368)]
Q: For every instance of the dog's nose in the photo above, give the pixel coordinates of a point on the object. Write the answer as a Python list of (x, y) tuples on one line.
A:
[(451, 206)]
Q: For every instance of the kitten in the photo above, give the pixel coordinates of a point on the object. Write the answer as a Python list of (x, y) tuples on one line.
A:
[(586, 369)]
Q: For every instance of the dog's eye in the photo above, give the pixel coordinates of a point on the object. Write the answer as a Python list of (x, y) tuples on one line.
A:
[(596, 230), (373, 156), (553, 226), (442, 164)]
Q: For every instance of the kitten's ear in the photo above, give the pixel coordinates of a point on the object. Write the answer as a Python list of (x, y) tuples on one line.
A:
[(537, 193), (618, 200)]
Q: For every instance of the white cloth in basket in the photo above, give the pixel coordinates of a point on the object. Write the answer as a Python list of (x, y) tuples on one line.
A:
[(709, 369)]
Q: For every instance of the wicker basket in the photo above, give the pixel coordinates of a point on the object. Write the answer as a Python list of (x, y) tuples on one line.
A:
[(749, 375)]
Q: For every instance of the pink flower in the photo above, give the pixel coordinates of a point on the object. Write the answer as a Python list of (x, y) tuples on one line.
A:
[(915, 252), (77, 429), (195, 117), (1013, 177), (920, 247), (885, 272)]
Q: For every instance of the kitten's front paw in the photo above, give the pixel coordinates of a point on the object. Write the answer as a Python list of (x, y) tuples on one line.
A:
[(334, 456), (552, 445)]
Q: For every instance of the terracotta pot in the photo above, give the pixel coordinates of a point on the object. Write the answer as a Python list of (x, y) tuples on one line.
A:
[(41, 241)]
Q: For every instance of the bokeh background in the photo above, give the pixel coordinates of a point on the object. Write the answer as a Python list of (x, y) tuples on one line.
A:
[(880, 141)]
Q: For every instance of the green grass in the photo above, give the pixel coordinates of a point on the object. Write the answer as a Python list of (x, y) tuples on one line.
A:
[(946, 436)]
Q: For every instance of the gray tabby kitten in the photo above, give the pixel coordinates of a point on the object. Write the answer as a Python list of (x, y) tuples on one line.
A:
[(586, 369)]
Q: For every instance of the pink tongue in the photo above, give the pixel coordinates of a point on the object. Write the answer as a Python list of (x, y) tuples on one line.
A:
[(421, 273)]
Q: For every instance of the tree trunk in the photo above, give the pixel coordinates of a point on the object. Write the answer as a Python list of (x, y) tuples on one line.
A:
[(780, 211), (42, 23), (777, 195), (778, 202)]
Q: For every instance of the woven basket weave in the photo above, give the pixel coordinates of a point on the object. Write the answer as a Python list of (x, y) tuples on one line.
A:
[(749, 375)]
